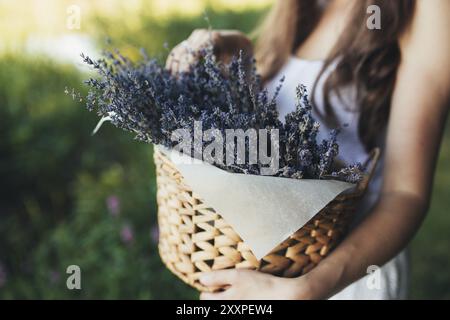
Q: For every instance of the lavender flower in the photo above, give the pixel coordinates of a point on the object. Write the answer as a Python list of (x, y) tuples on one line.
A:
[(113, 205), (127, 234), (352, 173)]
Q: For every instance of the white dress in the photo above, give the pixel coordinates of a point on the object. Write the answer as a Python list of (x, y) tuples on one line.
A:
[(391, 280)]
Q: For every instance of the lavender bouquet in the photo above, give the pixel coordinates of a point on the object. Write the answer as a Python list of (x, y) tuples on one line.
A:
[(150, 101)]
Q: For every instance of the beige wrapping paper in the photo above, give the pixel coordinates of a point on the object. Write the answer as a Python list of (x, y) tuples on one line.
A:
[(263, 210)]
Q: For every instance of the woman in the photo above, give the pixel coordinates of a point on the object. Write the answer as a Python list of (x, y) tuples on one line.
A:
[(391, 87)]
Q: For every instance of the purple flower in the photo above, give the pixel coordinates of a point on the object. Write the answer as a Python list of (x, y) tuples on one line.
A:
[(306, 157), (154, 233), (127, 234), (113, 205)]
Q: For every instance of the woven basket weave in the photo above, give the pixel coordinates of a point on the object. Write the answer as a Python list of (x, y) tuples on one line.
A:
[(195, 239)]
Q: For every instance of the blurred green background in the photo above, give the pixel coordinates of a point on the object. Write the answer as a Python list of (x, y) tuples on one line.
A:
[(68, 197)]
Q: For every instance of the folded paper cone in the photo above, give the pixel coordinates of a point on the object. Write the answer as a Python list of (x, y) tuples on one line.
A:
[(263, 210)]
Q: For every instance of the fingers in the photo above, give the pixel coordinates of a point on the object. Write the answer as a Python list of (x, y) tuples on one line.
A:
[(219, 278), (175, 59), (202, 36), (184, 55), (226, 43)]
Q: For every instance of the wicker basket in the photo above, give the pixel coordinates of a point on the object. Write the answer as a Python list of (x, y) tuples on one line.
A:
[(195, 239)]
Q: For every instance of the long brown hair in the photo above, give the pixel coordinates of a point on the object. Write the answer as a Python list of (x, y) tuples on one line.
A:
[(369, 59)]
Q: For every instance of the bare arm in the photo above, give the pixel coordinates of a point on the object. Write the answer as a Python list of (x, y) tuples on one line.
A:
[(418, 113)]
